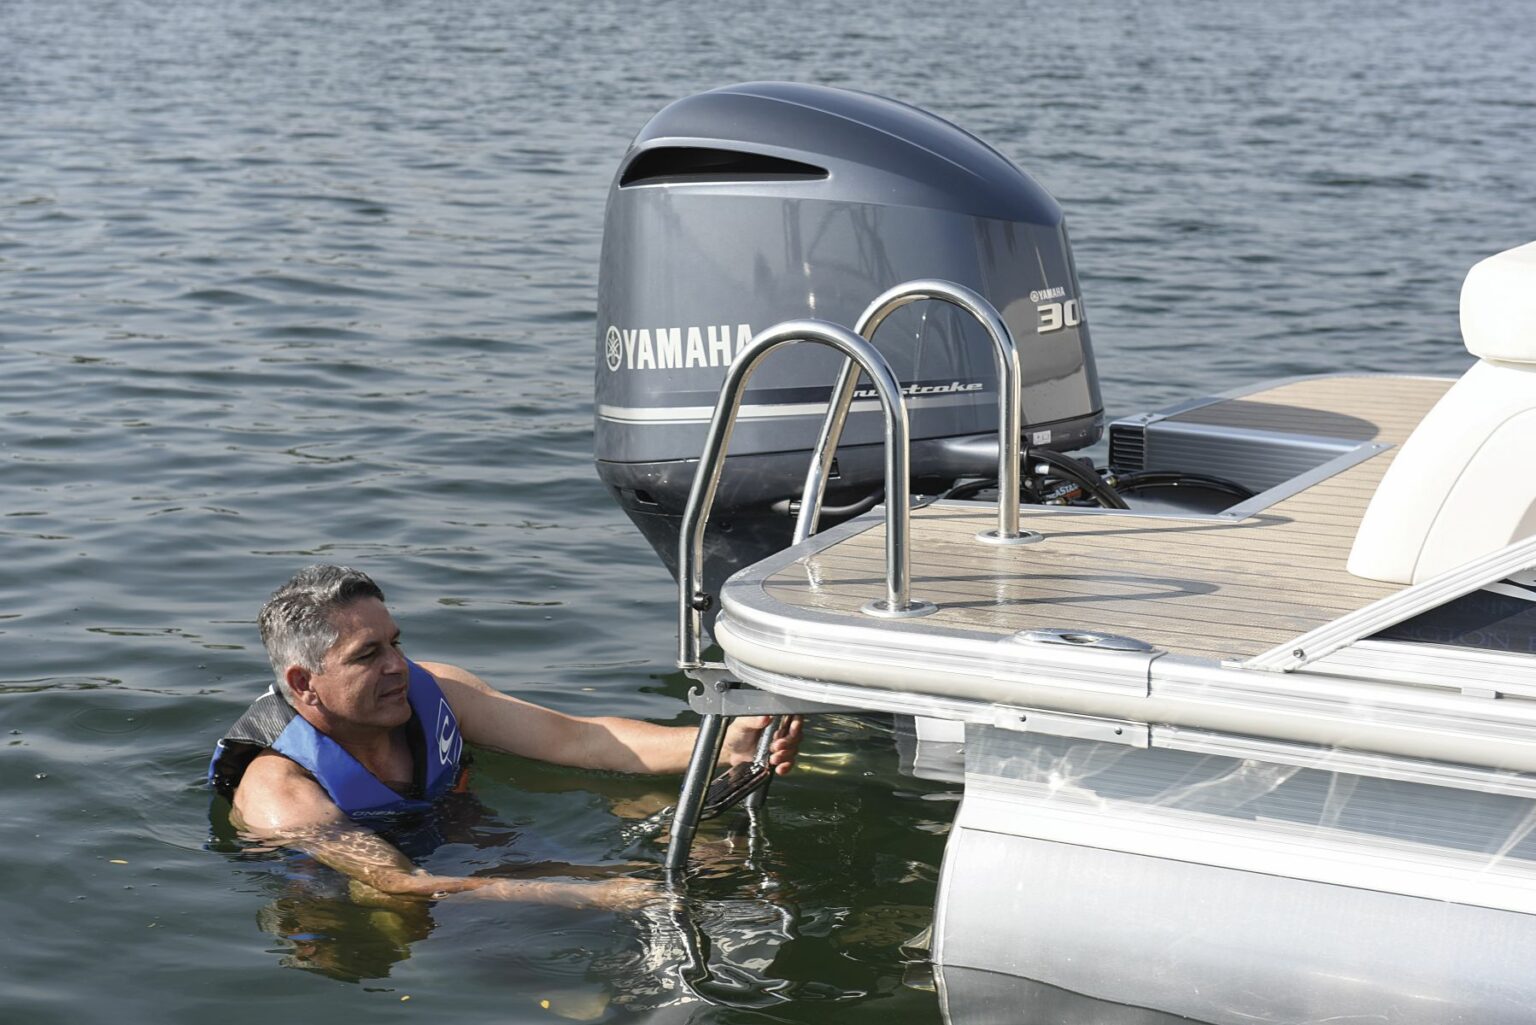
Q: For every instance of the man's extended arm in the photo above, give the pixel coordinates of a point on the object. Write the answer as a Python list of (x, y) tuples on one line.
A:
[(499, 721), (277, 802)]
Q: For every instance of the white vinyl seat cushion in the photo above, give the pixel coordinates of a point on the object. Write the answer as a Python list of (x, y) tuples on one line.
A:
[(1458, 487), (1498, 307)]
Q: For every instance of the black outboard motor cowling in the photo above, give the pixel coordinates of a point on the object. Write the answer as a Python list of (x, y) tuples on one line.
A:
[(748, 205)]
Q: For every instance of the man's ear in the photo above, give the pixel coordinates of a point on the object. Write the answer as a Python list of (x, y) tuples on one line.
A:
[(298, 685)]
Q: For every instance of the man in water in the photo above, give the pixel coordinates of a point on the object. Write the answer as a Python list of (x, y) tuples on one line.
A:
[(353, 731)]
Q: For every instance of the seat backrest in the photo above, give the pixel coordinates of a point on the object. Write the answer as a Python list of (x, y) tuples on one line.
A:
[(1464, 483)]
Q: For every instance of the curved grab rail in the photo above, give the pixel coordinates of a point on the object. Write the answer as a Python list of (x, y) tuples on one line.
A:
[(692, 601), (1009, 413)]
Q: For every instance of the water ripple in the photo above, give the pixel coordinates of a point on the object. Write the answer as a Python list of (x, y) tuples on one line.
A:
[(292, 281)]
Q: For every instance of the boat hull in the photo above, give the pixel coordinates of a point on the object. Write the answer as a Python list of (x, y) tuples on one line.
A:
[(1136, 876)]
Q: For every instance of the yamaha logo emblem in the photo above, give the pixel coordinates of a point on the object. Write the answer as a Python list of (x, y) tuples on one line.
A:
[(674, 348), (613, 346)]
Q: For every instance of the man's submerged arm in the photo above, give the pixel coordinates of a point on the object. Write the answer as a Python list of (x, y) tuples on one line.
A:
[(499, 721), (278, 803)]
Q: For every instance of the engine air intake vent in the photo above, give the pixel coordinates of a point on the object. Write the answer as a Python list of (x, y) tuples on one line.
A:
[(1127, 446), (678, 164)]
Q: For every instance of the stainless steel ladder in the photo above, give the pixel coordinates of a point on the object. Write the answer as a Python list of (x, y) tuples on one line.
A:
[(714, 696)]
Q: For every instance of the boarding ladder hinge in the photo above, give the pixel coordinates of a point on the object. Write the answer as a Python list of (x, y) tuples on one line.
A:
[(716, 692)]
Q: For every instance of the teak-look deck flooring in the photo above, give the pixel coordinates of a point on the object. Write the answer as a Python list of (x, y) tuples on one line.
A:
[(1200, 587)]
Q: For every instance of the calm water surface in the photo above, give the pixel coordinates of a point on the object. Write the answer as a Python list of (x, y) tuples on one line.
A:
[(293, 281)]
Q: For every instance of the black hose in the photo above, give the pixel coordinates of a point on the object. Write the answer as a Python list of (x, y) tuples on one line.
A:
[(1101, 491), (969, 488), (1138, 479), (1061, 466), (791, 506)]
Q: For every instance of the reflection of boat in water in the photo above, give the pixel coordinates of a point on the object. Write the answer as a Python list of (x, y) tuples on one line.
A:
[(1247, 740)]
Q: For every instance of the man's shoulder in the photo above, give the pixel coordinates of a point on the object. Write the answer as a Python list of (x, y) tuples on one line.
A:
[(276, 791), (439, 671), (270, 773), (454, 681)]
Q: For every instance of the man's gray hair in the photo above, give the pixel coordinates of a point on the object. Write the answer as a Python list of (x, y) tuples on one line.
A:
[(295, 622)]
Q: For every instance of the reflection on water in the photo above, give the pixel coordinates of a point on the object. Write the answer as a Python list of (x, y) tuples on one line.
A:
[(347, 937), (692, 946), (733, 933)]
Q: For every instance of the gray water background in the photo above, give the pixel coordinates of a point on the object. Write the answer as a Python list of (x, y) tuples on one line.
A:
[(293, 281)]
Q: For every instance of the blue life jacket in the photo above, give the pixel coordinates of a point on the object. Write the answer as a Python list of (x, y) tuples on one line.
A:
[(437, 747)]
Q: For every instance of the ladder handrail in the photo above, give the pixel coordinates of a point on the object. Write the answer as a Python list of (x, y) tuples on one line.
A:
[(1009, 402), (692, 601)]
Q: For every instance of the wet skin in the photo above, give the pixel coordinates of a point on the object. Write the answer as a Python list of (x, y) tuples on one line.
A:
[(358, 697)]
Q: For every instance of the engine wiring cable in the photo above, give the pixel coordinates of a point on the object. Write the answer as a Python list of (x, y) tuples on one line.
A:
[(1083, 476)]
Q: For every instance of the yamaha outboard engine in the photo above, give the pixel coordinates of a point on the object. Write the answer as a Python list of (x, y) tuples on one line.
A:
[(745, 206)]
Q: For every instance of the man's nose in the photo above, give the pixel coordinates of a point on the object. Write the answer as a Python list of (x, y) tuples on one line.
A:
[(395, 661)]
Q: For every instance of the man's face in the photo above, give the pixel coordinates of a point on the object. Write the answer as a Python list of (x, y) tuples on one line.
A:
[(364, 678)]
